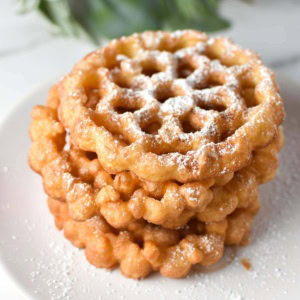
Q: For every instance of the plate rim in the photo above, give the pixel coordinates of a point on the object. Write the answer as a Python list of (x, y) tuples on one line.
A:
[(4, 267)]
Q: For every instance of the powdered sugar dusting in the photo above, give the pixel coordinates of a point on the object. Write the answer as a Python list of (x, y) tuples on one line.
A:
[(273, 228), (38, 255), (177, 106), (191, 98)]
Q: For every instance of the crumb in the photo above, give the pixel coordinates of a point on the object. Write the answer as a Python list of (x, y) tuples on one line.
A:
[(246, 263)]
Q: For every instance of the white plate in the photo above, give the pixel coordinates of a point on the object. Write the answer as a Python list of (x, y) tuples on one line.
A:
[(45, 266)]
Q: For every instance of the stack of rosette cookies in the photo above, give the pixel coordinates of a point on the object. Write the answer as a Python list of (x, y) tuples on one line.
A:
[(152, 149)]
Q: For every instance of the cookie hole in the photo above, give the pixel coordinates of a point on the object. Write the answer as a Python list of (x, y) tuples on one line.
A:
[(119, 79), (181, 43), (91, 155), (226, 134), (139, 241), (225, 60), (152, 128), (187, 127), (111, 60), (214, 82), (90, 84), (128, 48), (247, 81), (169, 47), (194, 226), (149, 70), (122, 109), (215, 107), (122, 83), (248, 95), (184, 71), (125, 48), (93, 98), (162, 94)]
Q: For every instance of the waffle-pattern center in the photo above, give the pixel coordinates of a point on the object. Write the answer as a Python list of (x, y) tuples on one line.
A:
[(145, 99), (173, 105)]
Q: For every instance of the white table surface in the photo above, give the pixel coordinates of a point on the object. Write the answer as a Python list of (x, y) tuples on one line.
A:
[(30, 55)]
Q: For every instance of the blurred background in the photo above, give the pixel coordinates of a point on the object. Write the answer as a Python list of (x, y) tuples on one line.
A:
[(42, 39)]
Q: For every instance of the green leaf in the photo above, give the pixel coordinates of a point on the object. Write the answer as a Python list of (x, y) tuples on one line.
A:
[(58, 13), (202, 15), (113, 18), (26, 6)]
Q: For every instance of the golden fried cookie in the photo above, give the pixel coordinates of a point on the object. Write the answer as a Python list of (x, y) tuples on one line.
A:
[(171, 106), (77, 177), (143, 248), (152, 150)]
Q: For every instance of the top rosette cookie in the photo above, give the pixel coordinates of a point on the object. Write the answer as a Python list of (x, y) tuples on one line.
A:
[(171, 106)]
